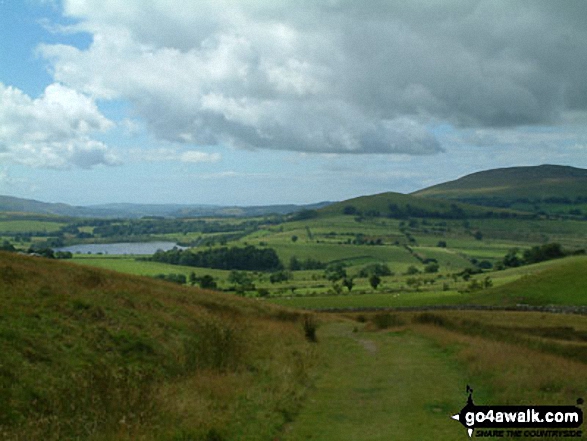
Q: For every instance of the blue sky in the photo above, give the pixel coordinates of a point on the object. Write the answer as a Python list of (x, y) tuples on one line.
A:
[(255, 102)]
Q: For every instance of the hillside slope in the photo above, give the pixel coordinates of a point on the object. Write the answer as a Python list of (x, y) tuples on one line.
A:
[(19, 205), (88, 353), (536, 183), (561, 283), (398, 205)]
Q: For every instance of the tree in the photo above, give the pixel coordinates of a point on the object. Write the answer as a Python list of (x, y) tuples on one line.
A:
[(349, 283), (263, 292), (412, 270), (280, 276), (335, 272), (350, 210), (414, 283), (7, 246), (511, 259), (544, 252), (374, 281), (432, 267), (63, 255), (380, 269), (192, 278), (207, 282), (243, 280), (294, 238)]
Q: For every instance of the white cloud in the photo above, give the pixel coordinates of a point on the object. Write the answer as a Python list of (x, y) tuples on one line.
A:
[(174, 153), (197, 157), (53, 130), (328, 77), (228, 74)]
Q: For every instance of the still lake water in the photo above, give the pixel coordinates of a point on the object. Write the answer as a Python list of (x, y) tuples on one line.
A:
[(120, 248)]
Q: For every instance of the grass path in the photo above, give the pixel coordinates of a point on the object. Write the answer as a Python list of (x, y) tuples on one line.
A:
[(381, 386)]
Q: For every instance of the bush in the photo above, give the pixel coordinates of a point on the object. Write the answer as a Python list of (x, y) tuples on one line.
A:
[(263, 292), (207, 282), (379, 269), (180, 279), (429, 318), (386, 320), (432, 268), (374, 281), (412, 270), (544, 252), (280, 276), (310, 327)]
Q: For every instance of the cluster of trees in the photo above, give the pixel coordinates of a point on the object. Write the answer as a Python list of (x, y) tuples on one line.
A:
[(205, 282), (498, 202), (296, 264), (280, 276), (180, 279), (336, 272), (539, 253), (304, 215), (144, 227), (248, 258), (379, 269), (7, 246), (39, 251), (394, 211)]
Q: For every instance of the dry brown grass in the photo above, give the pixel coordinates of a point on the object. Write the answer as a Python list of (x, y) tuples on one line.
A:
[(514, 374), (93, 354)]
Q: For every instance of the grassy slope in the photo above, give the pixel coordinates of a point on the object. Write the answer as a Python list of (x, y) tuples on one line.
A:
[(512, 183), (562, 283), (405, 381), (381, 203), (555, 282), (92, 354), (380, 386)]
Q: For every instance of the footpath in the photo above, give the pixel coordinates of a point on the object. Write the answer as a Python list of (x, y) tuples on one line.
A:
[(381, 386)]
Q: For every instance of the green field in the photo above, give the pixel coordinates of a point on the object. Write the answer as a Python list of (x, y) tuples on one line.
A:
[(24, 226), (96, 349)]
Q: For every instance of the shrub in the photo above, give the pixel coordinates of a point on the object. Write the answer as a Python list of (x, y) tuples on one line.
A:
[(386, 320), (432, 267), (379, 269), (374, 281), (412, 270), (429, 318), (263, 292), (310, 327)]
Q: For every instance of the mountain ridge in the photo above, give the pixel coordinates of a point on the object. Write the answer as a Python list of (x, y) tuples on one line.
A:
[(509, 183), (130, 210)]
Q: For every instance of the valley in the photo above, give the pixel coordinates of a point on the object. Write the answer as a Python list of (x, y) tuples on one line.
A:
[(223, 326)]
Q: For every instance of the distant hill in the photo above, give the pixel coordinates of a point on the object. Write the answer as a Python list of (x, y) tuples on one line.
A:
[(398, 205), (12, 204), (504, 187)]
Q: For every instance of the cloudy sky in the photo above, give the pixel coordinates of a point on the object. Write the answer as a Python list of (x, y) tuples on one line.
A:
[(263, 102)]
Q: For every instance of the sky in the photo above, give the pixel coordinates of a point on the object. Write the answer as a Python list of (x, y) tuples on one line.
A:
[(257, 102)]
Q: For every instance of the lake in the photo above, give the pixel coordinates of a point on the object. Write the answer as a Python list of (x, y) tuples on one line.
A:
[(120, 248)]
